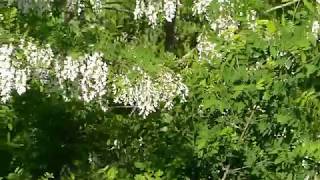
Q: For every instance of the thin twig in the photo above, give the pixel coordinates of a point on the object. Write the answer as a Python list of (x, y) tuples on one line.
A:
[(227, 169), (295, 10), (247, 125), (226, 172), (238, 169), (128, 107), (133, 110), (282, 6)]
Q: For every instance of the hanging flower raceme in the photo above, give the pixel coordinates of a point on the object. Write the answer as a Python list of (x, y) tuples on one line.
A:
[(206, 49), (200, 6), (37, 60), (152, 9), (84, 79), (170, 8), (225, 26), (96, 6), (146, 94), (11, 78)]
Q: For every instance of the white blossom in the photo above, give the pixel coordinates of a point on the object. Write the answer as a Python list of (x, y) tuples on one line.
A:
[(84, 78), (170, 8), (149, 10), (225, 26), (80, 7), (147, 94), (151, 13), (139, 10), (96, 5), (171, 86), (11, 77), (71, 5), (200, 6), (20, 83), (315, 28), (251, 18), (206, 49), (7, 73), (152, 9), (38, 59), (69, 70)]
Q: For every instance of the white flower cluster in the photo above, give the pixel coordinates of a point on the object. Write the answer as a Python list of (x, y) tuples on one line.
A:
[(206, 49), (77, 6), (251, 18), (200, 6), (96, 6), (11, 78), (225, 26), (84, 78), (170, 8), (151, 9), (80, 7), (38, 60), (146, 95)]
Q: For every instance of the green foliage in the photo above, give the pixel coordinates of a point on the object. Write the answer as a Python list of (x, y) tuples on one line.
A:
[(252, 114)]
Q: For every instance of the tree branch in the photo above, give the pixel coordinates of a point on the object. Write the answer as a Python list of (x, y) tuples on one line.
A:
[(226, 172), (127, 107), (282, 6)]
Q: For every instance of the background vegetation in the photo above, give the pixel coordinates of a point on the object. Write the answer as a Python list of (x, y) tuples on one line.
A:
[(252, 69)]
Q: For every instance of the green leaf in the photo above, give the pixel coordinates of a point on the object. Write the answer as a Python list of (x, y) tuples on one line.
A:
[(140, 165), (271, 27), (310, 69), (283, 118), (309, 6), (112, 173)]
